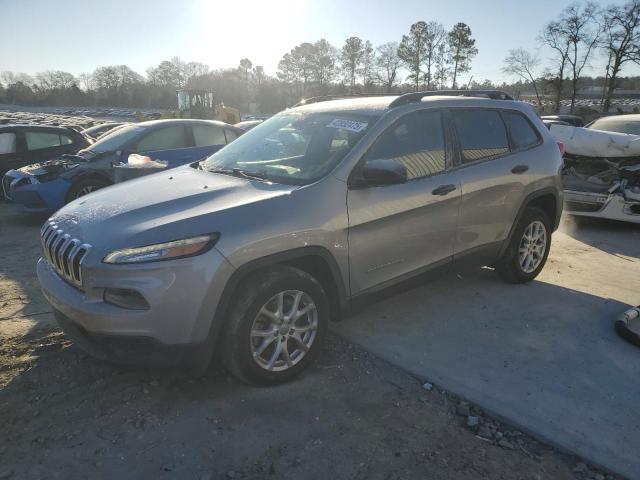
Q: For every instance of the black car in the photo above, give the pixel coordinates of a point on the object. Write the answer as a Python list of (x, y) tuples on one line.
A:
[(22, 145), (574, 120)]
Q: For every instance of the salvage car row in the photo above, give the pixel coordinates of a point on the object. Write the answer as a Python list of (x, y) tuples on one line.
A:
[(46, 167)]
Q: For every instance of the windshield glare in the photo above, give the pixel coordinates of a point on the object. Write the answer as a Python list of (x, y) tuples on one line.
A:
[(115, 140), (293, 148), (620, 126)]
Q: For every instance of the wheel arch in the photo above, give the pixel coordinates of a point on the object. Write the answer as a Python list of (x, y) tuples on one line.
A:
[(548, 200), (315, 260), (88, 175)]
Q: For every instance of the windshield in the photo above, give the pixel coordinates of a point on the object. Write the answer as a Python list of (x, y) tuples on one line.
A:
[(116, 139), (293, 148), (619, 126)]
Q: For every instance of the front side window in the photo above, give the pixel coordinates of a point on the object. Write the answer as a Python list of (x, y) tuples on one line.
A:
[(481, 134), (40, 140), (521, 131), (293, 148), (416, 141), (7, 143), (168, 138), (207, 135), (231, 135)]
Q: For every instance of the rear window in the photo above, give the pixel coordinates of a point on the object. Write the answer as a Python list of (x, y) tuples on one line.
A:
[(40, 140), (206, 135), (481, 134), (619, 126), (168, 138), (521, 131), (7, 143)]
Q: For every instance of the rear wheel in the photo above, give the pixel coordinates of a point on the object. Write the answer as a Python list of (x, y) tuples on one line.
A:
[(277, 324), (529, 248), (85, 186)]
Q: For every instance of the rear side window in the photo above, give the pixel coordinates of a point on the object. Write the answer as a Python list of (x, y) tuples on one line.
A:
[(167, 138), (231, 135), (40, 140), (521, 131), (7, 143), (481, 134), (206, 135), (416, 141)]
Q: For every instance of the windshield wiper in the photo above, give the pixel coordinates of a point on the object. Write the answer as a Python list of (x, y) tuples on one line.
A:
[(237, 172)]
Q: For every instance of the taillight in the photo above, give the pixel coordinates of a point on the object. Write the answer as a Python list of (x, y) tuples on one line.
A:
[(561, 148)]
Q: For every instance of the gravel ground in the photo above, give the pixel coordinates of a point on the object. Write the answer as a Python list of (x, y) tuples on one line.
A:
[(65, 415)]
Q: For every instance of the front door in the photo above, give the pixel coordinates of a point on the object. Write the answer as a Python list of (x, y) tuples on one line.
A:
[(397, 230)]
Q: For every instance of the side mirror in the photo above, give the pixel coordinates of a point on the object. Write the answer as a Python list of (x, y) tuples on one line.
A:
[(384, 171)]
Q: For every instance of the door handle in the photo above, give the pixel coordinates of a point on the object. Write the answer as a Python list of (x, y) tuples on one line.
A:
[(518, 169), (443, 189)]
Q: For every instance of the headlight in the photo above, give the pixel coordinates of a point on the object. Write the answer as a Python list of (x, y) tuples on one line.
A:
[(163, 251)]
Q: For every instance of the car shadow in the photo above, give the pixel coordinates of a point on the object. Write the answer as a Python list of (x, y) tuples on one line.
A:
[(621, 239)]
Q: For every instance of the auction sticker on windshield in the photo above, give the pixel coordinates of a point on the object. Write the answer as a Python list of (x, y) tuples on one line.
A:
[(350, 125)]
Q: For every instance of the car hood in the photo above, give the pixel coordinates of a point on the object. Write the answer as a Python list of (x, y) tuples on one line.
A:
[(170, 205), (52, 167)]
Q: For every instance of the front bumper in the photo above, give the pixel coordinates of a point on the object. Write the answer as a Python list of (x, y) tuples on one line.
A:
[(22, 188), (182, 296), (610, 206)]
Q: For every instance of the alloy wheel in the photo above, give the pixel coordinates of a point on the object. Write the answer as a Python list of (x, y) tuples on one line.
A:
[(284, 330), (532, 247)]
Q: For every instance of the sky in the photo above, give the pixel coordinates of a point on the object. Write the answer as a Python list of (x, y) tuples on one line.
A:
[(79, 35)]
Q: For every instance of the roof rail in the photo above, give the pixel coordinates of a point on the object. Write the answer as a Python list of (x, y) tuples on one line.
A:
[(326, 98), (417, 96)]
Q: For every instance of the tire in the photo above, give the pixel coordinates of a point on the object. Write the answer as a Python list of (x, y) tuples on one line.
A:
[(242, 350), (85, 186), (511, 267)]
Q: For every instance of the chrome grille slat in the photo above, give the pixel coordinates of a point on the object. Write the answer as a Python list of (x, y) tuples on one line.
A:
[(63, 252)]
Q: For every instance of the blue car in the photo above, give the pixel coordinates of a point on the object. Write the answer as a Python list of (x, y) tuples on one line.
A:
[(46, 187)]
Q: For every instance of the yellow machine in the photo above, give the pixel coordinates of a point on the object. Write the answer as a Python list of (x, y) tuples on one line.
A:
[(201, 104)]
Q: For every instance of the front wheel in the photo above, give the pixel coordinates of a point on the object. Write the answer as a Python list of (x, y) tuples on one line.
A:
[(528, 250), (277, 324), (85, 186)]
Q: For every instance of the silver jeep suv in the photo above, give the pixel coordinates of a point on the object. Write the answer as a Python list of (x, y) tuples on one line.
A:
[(249, 253)]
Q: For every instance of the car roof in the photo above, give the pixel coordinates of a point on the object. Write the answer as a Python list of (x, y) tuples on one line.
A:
[(376, 105), (181, 121), (33, 126), (633, 117)]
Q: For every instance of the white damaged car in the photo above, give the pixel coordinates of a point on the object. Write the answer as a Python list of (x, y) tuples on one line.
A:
[(601, 174)]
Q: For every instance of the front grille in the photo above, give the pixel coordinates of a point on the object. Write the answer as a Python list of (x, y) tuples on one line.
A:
[(64, 253)]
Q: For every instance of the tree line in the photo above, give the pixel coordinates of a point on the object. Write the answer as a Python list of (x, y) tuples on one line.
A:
[(428, 57)]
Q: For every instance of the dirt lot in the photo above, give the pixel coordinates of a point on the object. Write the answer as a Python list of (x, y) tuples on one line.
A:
[(64, 415)]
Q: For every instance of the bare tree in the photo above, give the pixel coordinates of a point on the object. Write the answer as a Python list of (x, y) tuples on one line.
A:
[(523, 64), (552, 36), (86, 81), (574, 37), (621, 42), (442, 71), (387, 64)]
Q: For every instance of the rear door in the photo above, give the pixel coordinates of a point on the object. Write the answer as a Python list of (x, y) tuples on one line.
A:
[(43, 144), (172, 144), (397, 230), (493, 175), (207, 139)]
